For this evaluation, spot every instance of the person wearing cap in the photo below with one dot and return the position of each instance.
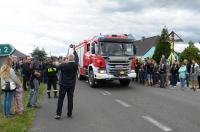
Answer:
(51, 73)
(67, 82)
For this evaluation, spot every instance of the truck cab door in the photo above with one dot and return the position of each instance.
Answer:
(87, 54)
(92, 51)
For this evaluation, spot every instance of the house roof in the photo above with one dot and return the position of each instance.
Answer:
(145, 45)
(19, 54)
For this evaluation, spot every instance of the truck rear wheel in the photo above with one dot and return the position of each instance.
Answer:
(91, 79)
(125, 82)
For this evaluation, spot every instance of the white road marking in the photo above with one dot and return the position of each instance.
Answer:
(123, 103)
(103, 93)
(108, 93)
(156, 123)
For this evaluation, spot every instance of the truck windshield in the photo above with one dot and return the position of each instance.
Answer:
(116, 49)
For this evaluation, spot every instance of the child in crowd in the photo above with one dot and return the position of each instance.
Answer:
(18, 101)
(182, 76)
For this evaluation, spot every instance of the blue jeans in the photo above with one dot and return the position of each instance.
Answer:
(182, 81)
(187, 80)
(33, 95)
(8, 102)
(174, 80)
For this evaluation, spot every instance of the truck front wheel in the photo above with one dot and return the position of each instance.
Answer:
(91, 79)
(79, 76)
(125, 82)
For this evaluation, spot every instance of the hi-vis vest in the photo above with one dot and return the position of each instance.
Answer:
(51, 69)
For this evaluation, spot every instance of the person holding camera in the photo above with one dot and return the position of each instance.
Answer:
(67, 83)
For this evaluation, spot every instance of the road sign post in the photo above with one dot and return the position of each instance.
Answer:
(6, 49)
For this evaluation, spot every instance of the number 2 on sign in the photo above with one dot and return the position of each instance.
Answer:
(5, 49)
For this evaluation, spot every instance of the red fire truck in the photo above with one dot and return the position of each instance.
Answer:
(107, 57)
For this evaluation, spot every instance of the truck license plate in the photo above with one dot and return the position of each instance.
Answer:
(122, 72)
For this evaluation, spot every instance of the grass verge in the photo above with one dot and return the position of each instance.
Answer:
(20, 123)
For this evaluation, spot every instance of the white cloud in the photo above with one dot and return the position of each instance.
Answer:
(50, 24)
(179, 47)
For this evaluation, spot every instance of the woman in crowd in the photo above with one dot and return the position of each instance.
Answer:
(182, 75)
(9, 83)
(150, 68)
(162, 72)
(174, 73)
(188, 66)
(18, 100)
(155, 73)
(137, 69)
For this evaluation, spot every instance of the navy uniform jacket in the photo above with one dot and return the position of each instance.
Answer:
(68, 72)
(26, 70)
(51, 71)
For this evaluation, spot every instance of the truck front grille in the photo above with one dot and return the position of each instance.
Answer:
(116, 68)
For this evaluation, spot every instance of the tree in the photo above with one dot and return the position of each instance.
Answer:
(191, 52)
(54, 58)
(162, 46)
(40, 53)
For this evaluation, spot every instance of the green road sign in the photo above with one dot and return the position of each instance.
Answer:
(6, 49)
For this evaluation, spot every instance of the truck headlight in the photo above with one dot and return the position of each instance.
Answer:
(102, 71)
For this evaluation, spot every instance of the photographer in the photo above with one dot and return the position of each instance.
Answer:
(67, 83)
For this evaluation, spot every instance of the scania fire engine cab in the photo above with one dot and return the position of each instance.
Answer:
(107, 57)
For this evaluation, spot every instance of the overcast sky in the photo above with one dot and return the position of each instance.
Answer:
(52, 24)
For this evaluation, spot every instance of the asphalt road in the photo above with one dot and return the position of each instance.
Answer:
(112, 108)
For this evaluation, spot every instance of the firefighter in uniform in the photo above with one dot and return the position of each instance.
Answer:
(51, 72)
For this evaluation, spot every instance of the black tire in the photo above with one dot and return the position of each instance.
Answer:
(125, 82)
(91, 79)
(79, 76)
